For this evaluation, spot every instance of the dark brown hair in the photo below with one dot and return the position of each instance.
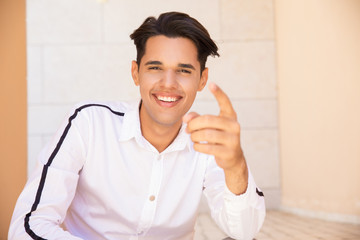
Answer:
(175, 24)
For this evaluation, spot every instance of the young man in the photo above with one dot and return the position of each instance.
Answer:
(137, 171)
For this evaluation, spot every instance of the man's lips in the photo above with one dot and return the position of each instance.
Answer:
(167, 100)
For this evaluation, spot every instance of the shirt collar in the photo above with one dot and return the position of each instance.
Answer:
(131, 130)
(131, 124)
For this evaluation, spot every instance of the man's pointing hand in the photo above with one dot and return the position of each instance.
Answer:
(220, 136)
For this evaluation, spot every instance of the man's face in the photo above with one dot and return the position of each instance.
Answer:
(169, 77)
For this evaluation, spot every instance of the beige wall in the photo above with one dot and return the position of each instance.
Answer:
(12, 107)
(81, 50)
(318, 59)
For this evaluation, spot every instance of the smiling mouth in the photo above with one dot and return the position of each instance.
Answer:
(169, 100)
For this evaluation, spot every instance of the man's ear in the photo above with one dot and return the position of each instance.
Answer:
(203, 79)
(135, 72)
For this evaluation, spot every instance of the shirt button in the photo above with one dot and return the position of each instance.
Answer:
(152, 198)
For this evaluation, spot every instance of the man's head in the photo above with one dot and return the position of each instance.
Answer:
(172, 25)
(170, 68)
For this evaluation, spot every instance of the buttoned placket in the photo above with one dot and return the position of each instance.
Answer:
(149, 209)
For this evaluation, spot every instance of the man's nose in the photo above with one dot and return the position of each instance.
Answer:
(169, 79)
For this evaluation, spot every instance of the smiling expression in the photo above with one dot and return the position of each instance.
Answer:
(169, 77)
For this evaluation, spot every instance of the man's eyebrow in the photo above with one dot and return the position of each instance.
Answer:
(184, 65)
(181, 65)
(153, 63)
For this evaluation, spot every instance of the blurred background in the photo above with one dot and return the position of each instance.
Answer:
(290, 67)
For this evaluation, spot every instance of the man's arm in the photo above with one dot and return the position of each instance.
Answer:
(220, 136)
(42, 205)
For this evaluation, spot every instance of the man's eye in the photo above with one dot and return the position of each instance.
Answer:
(154, 68)
(185, 71)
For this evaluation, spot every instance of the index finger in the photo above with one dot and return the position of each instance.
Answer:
(226, 108)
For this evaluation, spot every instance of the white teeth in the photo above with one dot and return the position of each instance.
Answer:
(167, 99)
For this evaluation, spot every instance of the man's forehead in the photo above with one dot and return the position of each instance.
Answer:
(161, 48)
(166, 39)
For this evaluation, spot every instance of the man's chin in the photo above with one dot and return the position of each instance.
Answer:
(170, 123)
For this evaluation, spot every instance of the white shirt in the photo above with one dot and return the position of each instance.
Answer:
(101, 179)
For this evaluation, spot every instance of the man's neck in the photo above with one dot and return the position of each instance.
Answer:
(159, 135)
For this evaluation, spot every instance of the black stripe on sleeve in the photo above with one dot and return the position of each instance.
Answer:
(50, 160)
(261, 194)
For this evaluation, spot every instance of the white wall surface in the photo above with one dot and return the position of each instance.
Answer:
(80, 50)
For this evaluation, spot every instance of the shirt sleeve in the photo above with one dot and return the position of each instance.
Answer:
(42, 205)
(239, 216)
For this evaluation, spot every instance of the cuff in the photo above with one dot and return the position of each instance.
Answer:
(239, 202)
